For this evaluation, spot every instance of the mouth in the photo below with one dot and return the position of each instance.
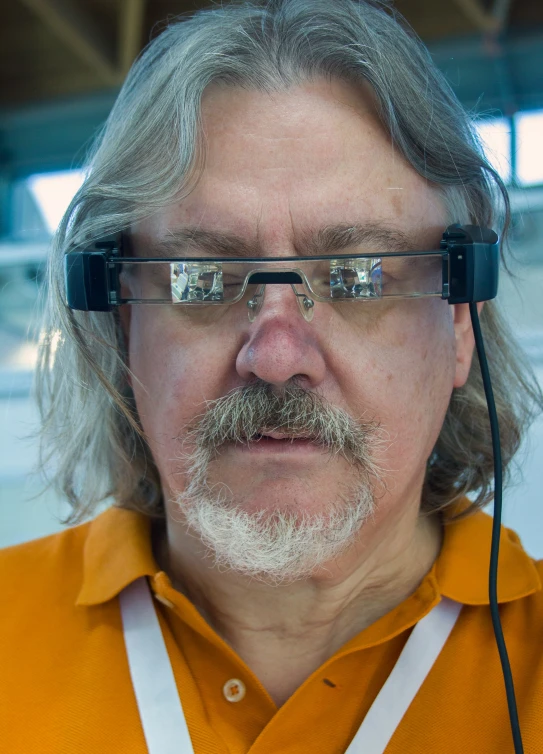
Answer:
(273, 441)
(275, 435)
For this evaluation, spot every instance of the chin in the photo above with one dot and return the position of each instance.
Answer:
(276, 533)
(293, 497)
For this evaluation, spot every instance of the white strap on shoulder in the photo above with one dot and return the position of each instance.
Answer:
(160, 709)
(415, 662)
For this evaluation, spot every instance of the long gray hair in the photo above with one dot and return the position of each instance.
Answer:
(150, 153)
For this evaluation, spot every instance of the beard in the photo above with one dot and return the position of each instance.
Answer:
(276, 546)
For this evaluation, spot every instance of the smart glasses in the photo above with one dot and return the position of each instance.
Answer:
(463, 269)
(216, 282)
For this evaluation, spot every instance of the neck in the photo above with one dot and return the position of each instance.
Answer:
(300, 625)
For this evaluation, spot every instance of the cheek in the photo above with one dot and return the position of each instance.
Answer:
(425, 373)
(407, 375)
(175, 370)
(426, 381)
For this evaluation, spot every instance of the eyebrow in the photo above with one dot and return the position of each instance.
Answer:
(326, 240)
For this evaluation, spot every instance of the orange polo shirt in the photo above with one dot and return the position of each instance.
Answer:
(65, 685)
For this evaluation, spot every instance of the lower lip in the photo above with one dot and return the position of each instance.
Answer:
(269, 445)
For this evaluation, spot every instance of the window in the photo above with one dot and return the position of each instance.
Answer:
(495, 135)
(53, 192)
(529, 132)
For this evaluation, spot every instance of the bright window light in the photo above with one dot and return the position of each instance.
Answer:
(53, 193)
(529, 128)
(495, 135)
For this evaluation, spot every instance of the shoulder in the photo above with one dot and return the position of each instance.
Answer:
(537, 597)
(44, 570)
(521, 573)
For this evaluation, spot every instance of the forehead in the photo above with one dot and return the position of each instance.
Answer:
(278, 167)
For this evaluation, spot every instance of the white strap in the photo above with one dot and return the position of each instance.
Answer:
(413, 665)
(162, 718)
(161, 713)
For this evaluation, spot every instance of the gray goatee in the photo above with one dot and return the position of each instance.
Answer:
(285, 545)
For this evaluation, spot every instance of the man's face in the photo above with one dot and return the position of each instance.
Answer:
(279, 167)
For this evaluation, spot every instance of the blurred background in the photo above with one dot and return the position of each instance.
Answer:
(61, 65)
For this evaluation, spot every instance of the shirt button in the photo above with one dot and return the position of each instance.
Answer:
(234, 690)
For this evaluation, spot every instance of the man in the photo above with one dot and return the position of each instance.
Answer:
(286, 473)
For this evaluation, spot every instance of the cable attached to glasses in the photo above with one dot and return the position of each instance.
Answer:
(495, 545)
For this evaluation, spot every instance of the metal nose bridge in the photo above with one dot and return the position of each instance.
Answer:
(305, 304)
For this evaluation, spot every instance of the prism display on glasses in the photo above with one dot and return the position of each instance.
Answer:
(463, 269)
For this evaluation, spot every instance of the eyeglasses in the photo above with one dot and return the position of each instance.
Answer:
(465, 268)
(329, 279)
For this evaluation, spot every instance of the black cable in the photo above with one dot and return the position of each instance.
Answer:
(494, 548)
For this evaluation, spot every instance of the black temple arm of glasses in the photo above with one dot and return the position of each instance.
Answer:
(474, 263)
(91, 284)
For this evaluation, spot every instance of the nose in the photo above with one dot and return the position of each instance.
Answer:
(280, 344)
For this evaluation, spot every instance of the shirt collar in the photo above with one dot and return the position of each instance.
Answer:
(462, 566)
(118, 550)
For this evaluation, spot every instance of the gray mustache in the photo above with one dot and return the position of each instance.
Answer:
(245, 413)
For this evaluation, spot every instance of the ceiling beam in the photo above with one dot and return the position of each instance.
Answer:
(130, 32)
(484, 21)
(74, 28)
(500, 12)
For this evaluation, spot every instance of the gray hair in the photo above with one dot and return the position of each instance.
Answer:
(151, 152)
